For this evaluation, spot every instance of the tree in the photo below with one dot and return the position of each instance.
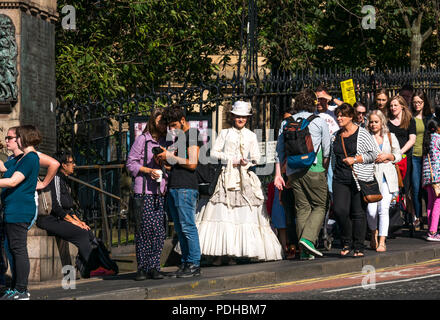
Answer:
(125, 45)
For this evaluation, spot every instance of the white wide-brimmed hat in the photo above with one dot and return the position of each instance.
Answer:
(241, 108)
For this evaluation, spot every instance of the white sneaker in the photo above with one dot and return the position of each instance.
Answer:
(433, 237)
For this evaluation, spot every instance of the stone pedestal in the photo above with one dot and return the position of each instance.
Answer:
(27, 67)
(48, 255)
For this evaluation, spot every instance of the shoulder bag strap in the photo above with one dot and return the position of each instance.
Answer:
(144, 182)
(345, 152)
(430, 168)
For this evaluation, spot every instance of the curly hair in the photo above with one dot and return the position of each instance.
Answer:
(173, 113)
(305, 101)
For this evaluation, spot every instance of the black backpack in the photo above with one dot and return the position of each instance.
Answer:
(207, 177)
(99, 257)
(298, 142)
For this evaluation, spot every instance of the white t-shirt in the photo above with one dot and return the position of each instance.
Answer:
(330, 118)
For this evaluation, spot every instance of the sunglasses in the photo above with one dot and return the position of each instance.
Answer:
(9, 138)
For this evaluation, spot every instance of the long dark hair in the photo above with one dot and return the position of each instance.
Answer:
(431, 127)
(151, 125)
(426, 112)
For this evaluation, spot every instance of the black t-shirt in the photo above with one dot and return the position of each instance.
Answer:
(402, 134)
(343, 173)
(180, 177)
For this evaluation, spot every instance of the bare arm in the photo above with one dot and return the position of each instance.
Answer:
(409, 144)
(52, 166)
(13, 181)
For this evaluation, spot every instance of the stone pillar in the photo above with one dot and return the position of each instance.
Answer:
(28, 96)
(27, 67)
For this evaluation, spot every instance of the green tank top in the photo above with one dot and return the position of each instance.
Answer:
(420, 130)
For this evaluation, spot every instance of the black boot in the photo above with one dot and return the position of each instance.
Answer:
(141, 275)
(154, 274)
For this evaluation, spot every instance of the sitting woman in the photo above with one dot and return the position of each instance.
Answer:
(62, 221)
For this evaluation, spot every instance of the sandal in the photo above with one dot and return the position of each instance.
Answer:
(290, 252)
(373, 242)
(345, 251)
(358, 254)
(381, 248)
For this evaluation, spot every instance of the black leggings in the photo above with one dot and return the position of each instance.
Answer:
(350, 213)
(17, 242)
(67, 231)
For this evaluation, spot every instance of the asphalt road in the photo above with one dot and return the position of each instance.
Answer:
(419, 281)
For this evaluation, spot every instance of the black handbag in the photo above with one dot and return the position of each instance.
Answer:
(396, 219)
(369, 189)
(137, 203)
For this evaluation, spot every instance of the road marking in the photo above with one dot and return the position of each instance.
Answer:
(382, 283)
(291, 283)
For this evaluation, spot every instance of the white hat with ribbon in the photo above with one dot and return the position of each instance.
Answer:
(242, 108)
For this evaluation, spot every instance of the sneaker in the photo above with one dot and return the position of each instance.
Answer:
(416, 224)
(190, 270)
(306, 256)
(179, 271)
(6, 295)
(433, 237)
(307, 245)
(17, 295)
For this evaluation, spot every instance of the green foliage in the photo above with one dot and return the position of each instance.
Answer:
(124, 45)
(120, 46)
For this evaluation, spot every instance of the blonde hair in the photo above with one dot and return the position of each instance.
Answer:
(383, 128)
(406, 114)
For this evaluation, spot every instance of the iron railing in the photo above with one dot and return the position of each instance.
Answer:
(98, 132)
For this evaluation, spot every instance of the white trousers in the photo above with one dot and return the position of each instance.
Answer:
(380, 210)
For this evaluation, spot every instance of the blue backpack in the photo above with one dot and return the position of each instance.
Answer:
(298, 143)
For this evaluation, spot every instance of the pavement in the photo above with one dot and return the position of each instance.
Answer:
(400, 251)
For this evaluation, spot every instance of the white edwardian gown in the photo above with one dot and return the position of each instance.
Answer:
(234, 221)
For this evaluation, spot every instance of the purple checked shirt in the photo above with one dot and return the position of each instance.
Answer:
(135, 162)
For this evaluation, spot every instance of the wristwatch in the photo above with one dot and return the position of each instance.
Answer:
(355, 160)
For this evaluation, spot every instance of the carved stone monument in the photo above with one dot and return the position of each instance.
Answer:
(27, 67)
(28, 96)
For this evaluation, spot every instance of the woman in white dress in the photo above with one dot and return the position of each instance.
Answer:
(234, 222)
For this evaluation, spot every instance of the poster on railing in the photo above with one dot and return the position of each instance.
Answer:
(267, 151)
(348, 93)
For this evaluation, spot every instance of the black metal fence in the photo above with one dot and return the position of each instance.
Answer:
(99, 132)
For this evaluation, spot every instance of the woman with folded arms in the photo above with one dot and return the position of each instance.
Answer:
(386, 175)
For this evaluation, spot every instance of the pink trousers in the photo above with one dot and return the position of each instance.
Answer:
(433, 209)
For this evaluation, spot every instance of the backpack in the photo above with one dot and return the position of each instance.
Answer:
(99, 257)
(207, 177)
(298, 142)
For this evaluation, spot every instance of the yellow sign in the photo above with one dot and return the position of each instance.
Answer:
(348, 93)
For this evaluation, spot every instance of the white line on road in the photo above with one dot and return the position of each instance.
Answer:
(381, 283)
